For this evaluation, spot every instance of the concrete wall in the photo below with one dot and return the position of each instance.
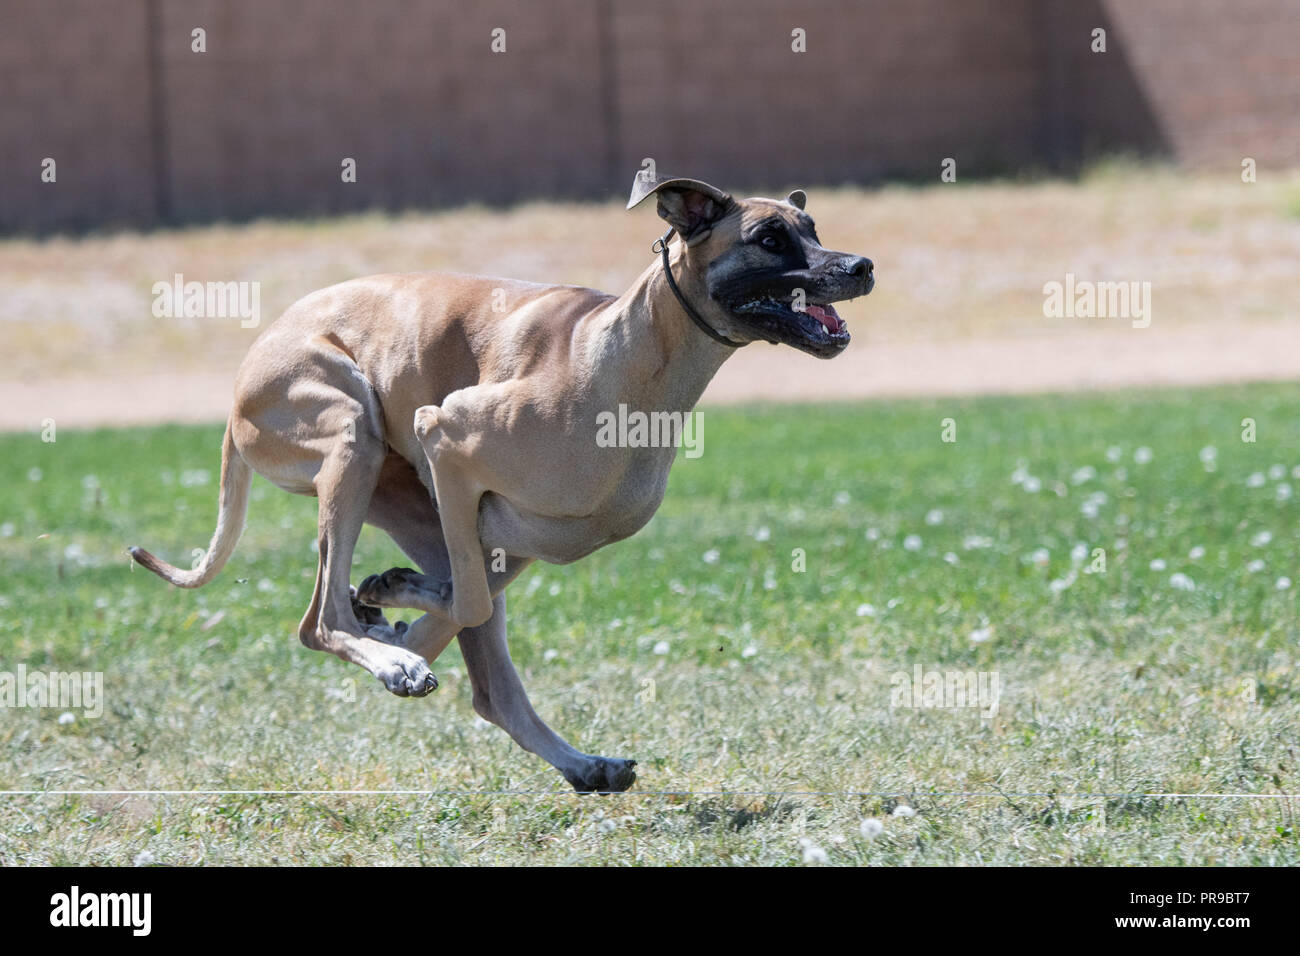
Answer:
(144, 130)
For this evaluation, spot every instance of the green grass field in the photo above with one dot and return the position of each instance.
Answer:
(756, 697)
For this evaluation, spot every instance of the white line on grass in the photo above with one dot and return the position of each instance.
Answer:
(635, 793)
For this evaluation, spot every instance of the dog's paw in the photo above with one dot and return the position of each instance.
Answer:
(405, 587)
(604, 775)
(394, 634)
(367, 615)
(407, 675)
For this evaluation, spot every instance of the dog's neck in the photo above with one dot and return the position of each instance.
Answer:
(664, 361)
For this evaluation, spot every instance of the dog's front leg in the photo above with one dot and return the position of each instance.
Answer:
(499, 696)
(458, 493)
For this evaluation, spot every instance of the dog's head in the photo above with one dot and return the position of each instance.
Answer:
(755, 269)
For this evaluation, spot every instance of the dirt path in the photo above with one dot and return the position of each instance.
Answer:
(958, 308)
(1059, 361)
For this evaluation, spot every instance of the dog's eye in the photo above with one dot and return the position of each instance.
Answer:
(770, 242)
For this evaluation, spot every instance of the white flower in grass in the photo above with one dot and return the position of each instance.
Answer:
(973, 542)
(1255, 566)
(662, 648)
(144, 858)
(1256, 480)
(1020, 474)
(873, 534)
(842, 498)
(904, 811)
(550, 654)
(1261, 539)
(1086, 473)
(1089, 509)
(67, 717)
(712, 556)
(933, 517)
(7, 529)
(554, 589)
(763, 533)
(912, 542)
(950, 558)
(980, 635)
(607, 826)
(1158, 564)
(812, 853)
(1041, 557)
(1295, 472)
(1208, 454)
(866, 610)
(1114, 453)
(1079, 553)
(35, 474)
(749, 651)
(1283, 491)
(1283, 583)
(1060, 584)
(870, 828)
(1032, 485)
(1181, 582)
(1143, 455)
(1196, 553)
(1277, 472)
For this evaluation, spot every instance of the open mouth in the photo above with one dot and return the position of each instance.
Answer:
(828, 317)
(817, 328)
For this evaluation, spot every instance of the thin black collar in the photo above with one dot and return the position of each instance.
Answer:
(661, 246)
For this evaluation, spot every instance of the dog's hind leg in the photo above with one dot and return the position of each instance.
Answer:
(344, 483)
(499, 696)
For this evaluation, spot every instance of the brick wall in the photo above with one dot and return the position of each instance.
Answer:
(1222, 78)
(144, 130)
(74, 87)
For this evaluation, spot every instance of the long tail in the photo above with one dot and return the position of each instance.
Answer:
(236, 477)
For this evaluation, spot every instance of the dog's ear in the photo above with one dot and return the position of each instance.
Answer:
(688, 205)
(797, 198)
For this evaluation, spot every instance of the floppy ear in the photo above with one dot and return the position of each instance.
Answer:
(797, 198)
(688, 205)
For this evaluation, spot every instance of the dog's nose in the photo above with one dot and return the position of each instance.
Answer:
(860, 267)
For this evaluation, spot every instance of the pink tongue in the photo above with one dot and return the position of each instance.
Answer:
(827, 316)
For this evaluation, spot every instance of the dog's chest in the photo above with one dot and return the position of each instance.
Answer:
(639, 493)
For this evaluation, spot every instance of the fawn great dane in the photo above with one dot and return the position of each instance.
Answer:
(459, 414)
